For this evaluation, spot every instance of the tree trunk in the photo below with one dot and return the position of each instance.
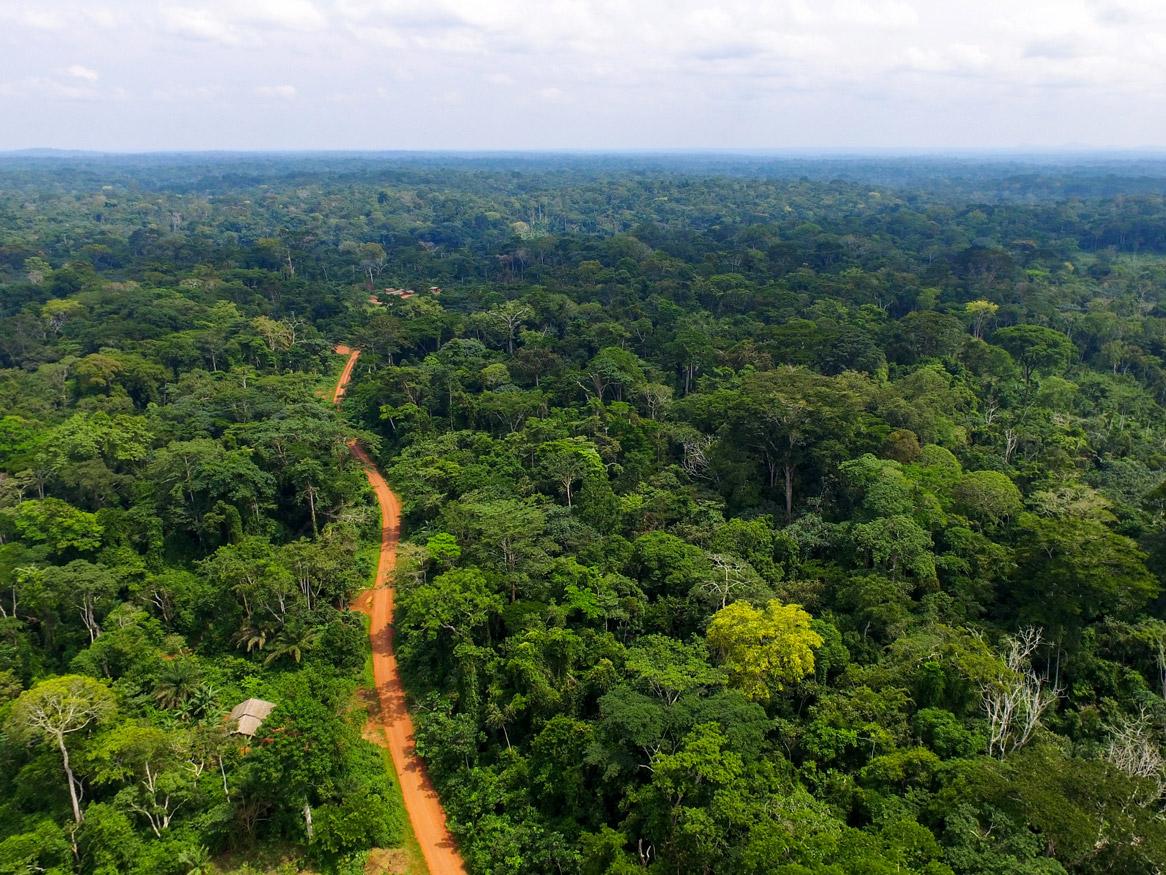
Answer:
(312, 506)
(73, 797)
(308, 821)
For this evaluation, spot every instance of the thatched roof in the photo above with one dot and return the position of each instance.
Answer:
(249, 716)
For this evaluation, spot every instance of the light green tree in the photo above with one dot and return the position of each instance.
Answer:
(671, 668)
(988, 497)
(763, 651)
(981, 313)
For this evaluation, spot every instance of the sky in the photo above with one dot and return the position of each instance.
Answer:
(851, 75)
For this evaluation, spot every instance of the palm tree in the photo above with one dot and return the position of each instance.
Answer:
(293, 641)
(195, 860)
(203, 701)
(252, 638)
(176, 684)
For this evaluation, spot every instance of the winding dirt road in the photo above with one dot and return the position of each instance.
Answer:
(421, 802)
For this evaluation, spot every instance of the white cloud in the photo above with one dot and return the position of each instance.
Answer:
(35, 19)
(957, 58)
(282, 92)
(634, 72)
(200, 24)
(246, 22)
(879, 14)
(56, 16)
(40, 88)
(77, 71)
(298, 15)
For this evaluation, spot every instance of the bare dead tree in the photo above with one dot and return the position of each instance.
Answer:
(1135, 748)
(1015, 702)
(731, 575)
(1011, 442)
(695, 460)
(656, 396)
(1160, 661)
(158, 806)
(510, 316)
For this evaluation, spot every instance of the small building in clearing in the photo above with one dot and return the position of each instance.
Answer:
(248, 716)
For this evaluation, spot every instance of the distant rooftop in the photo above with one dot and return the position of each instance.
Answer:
(249, 716)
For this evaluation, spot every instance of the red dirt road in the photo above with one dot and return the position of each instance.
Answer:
(346, 374)
(421, 802)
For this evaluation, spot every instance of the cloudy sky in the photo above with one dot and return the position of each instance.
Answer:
(582, 74)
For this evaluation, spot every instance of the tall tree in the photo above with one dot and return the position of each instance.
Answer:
(56, 709)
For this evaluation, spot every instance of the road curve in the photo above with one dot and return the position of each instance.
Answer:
(421, 802)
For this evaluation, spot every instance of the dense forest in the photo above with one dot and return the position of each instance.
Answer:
(762, 515)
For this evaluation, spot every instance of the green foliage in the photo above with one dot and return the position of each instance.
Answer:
(357, 823)
(987, 496)
(1036, 348)
(1071, 572)
(62, 529)
(657, 404)
(668, 668)
(942, 732)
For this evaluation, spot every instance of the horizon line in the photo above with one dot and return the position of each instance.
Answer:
(667, 151)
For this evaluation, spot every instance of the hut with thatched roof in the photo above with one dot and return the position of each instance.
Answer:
(248, 716)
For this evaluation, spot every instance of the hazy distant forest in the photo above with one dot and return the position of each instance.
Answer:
(762, 515)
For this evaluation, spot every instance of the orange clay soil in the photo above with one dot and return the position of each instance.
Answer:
(421, 802)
